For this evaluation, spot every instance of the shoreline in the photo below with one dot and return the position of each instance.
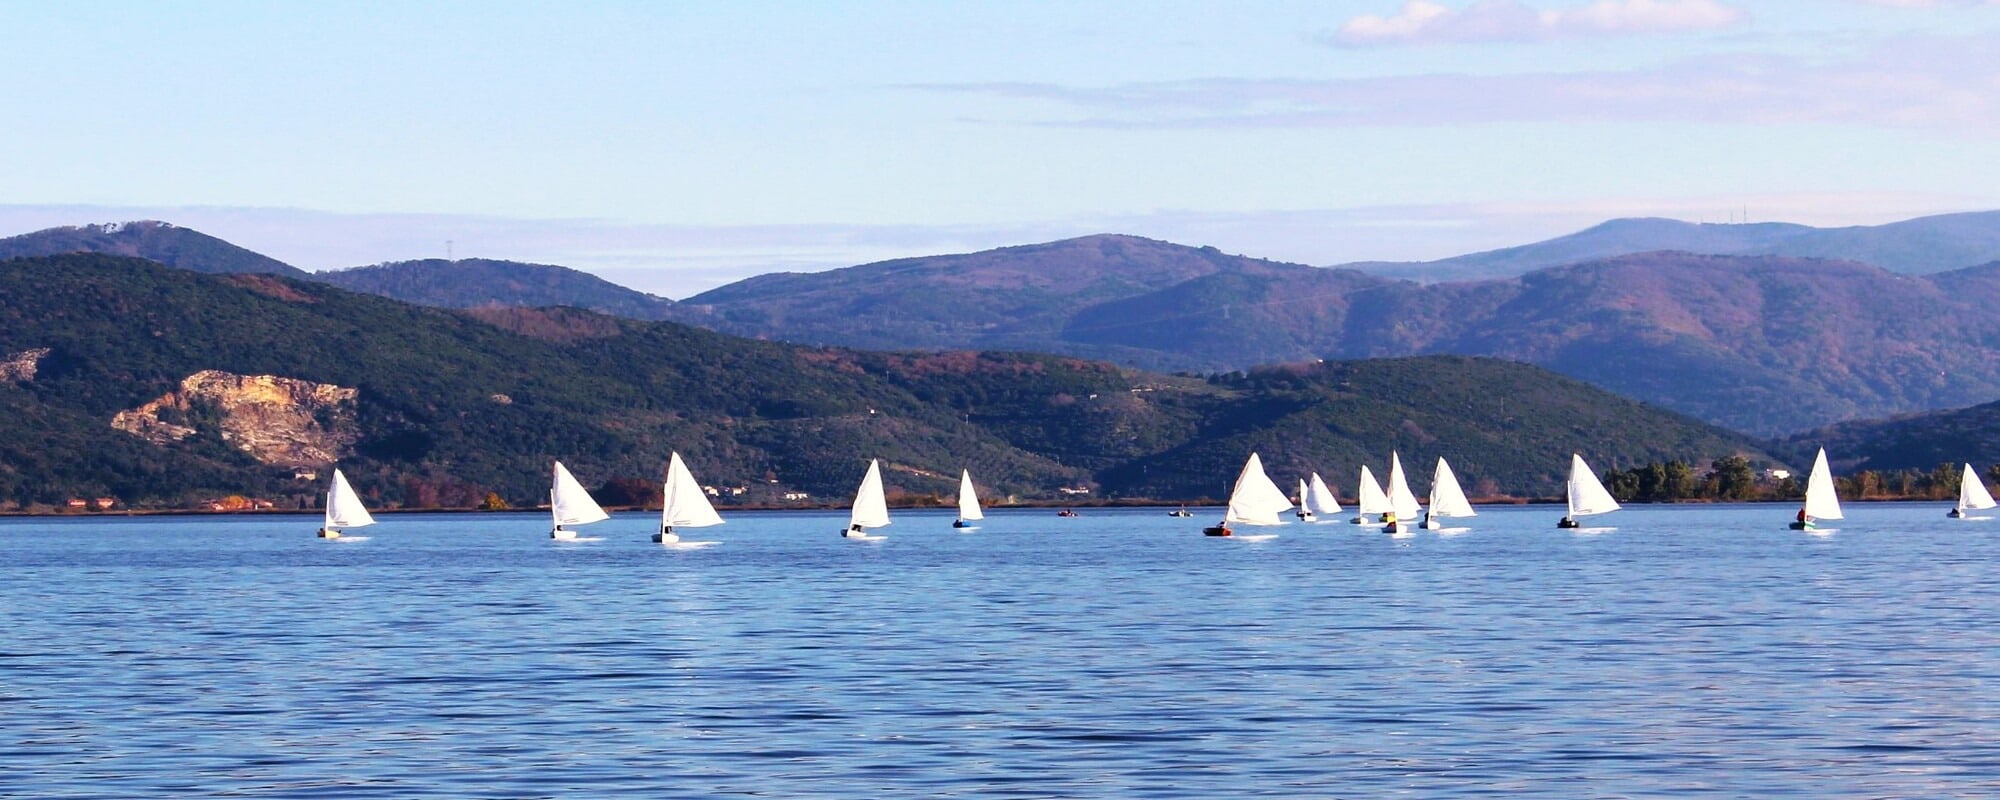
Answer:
(1100, 504)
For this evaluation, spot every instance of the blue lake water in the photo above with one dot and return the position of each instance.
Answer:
(1690, 651)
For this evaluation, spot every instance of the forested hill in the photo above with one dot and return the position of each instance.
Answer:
(480, 282)
(171, 245)
(253, 384)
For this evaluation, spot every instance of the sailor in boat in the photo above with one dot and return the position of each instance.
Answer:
(1805, 520)
(1065, 513)
(666, 535)
(1568, 522)
(1220, 529)
(1955, 513)
(853, 532)
(1389, 522)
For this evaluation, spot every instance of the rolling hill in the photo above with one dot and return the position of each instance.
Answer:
(479, 282)
(151, 240)
(1917, 246)
(1768, 344)
(163, 387)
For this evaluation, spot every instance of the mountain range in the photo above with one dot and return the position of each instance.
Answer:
(1919, 246)
(1770, 344)
(161, 386)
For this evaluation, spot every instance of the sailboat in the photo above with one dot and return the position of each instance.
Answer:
(1403, 507)
(343, 509)
(1305, 512)
(1254, 501)
(1821, 500)
(1447, 499)
(871, 508)
(1372, 500)
(1972, 494)
(1586, 494)
(968, 502)
(1322, 499)
(571, 505)
(686, 504)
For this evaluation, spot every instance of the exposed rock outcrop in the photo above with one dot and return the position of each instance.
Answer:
(20, 367)
(278, 421)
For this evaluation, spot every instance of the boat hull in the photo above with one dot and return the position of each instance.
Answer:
(1802, 526)
(559, 533)
(328, 533)
(1218, 530)
(1566, 522)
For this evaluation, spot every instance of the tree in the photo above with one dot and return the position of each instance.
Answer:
(1734, 480)
(494, 502)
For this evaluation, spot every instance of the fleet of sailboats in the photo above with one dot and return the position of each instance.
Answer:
(1972, 494)
(571, 505)
(1255, 500)
(871, 506)
(968, 502)
(1586, 494)
(1821, 500)
(343, 509)
(685, 504)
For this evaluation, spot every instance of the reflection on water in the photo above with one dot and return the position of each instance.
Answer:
(1684, 651)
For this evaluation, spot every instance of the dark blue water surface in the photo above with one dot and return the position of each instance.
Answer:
(1691, 651)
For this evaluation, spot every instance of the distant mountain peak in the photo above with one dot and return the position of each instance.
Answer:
(153, 240)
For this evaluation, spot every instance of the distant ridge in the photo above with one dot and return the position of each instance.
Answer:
(480, 283)
(152, 240)
(1918, 246)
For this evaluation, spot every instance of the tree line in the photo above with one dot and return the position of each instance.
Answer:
(1734, 478)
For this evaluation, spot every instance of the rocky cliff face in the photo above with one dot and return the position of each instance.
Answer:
(278, 421)
(20, 367)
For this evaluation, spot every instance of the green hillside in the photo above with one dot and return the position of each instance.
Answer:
(480, 282)
(154, 241)
(448, 406)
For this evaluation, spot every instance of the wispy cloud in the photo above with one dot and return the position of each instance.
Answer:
(1423, 22)
(1932, 3)
(1948, 84)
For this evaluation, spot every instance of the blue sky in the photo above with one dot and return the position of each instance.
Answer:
(676, 146)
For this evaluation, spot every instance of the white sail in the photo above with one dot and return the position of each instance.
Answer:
(1447, 499)
(570, 504)
(686, 504)
(968, 500)
(1372, 500)
(1256, 500)
(1971, 491)
(1401, 499)
(343, 506)
(1821, 500)
(871, 507)
(1320, 498)
(1586, 494)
